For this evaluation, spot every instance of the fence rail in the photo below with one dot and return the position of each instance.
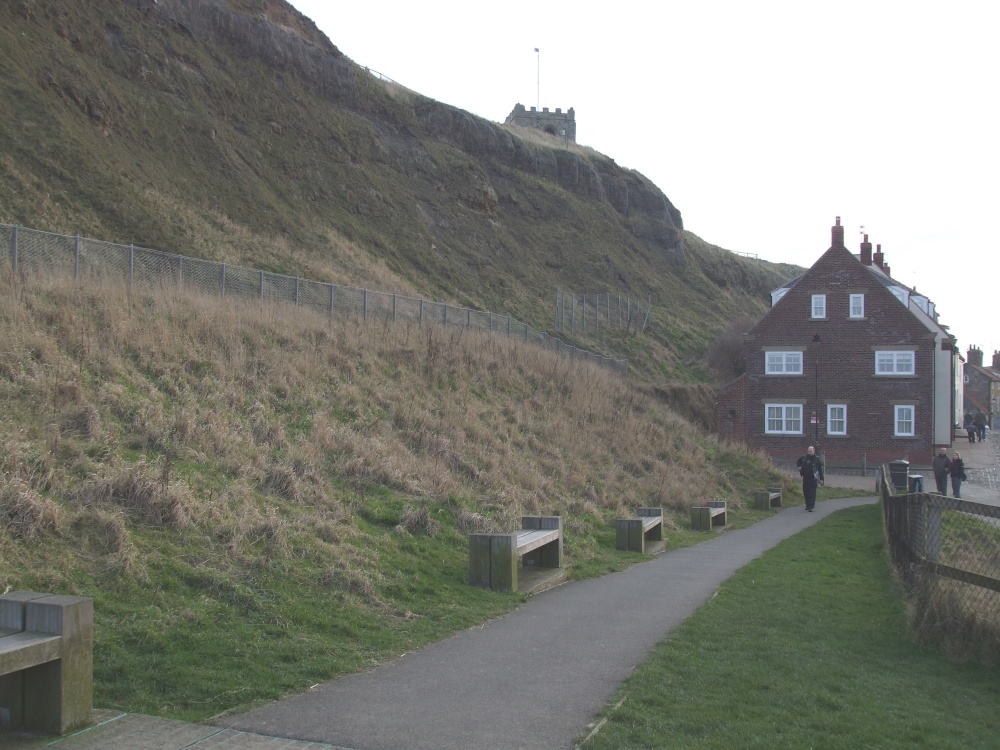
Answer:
(34, 252)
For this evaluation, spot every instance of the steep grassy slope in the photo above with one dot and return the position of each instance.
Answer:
(236, 131)
(259, 499)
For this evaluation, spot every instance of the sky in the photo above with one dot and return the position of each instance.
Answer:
(761, 122)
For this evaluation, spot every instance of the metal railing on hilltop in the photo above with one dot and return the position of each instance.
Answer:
(34, 252)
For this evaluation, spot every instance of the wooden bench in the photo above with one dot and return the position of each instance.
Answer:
(767, 499)
(706, 517)
(46, 661)
(632, 534)
(493, 558)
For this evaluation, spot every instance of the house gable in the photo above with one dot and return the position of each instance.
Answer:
(859, 372)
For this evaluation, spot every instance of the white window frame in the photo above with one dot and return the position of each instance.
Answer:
(889, 363)
(899, 416)
(789, 414)
(831, 420)
(818, 306)
(857, 306)
(790, 363)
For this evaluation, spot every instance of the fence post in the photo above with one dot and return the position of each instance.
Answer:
(131, 263)
(468, 318)
(365, 303)
(446, 315)
(260, 285)
(393, 307)
(525, 331)
(76, 258)
(607, 306)
(597, 318)
(331, 300)
(421, 311)
(555, 318)
(491, 321)
(572, 314)
(296, 290)
(222, 280)
(180, 271)
(932, 546)
(508, 326)
(13, 249)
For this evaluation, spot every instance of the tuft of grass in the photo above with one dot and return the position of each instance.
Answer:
(807, 646)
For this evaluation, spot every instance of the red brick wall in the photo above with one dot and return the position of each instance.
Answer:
(845, 361)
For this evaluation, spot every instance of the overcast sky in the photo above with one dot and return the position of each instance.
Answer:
(761, 121)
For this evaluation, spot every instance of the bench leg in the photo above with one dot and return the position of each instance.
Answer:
(629, 535)
(701, 519)
(58, 696)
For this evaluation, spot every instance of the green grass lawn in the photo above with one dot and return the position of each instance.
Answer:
(806, 647)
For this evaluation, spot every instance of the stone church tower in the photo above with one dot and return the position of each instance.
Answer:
(559, 124)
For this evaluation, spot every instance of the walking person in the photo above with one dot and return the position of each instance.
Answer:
(942, 464)
(970, 427)
(957, 471)
(811, 470)
(980, 422)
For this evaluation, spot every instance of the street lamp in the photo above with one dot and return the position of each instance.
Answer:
(817, 341)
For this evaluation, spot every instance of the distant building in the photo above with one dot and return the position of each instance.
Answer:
(982, 386)
(850, 360)
(559, 124)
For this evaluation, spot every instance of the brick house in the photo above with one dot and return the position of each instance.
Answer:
(982, 385)
(849, 360)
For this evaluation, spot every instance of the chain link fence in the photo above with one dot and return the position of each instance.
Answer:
(946, 552)
(33, 252)
(590, 313)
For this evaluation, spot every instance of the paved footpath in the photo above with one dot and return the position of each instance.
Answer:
(536, 677)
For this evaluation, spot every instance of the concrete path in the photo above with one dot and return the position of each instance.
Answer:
(534, 678)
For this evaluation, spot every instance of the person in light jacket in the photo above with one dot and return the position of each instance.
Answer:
(957, 471)
(942, 465)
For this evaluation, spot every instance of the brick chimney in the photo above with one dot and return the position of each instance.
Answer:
(976, 356)
(866, 252)
(996, 360)
(878, 258)
(838, 234)
(888, 271)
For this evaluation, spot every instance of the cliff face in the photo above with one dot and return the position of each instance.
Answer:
(237, 131)
(284, 40)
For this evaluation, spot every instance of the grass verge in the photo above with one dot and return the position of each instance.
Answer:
(805, 647)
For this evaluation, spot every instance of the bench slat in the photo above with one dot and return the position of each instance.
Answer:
(532, 539)
(23, 650)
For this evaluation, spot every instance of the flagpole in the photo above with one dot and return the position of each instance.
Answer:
(538, 82)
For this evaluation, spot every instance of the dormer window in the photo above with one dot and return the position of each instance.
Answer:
(857, 305)
(819, 306)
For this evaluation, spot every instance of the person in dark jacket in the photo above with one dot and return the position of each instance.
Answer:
(957, 471)
(980, 422)
(942, 464)
(811, 470)
(970, 427)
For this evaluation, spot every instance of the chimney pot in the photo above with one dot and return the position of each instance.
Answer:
(879, 258)
(996, 360)
(837, 233)
(866, 252)
(976, 356)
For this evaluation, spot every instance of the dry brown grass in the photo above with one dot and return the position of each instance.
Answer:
(109, 389)
(960, 619)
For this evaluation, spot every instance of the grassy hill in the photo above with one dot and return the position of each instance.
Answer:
(257, 498)
(237, 132)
